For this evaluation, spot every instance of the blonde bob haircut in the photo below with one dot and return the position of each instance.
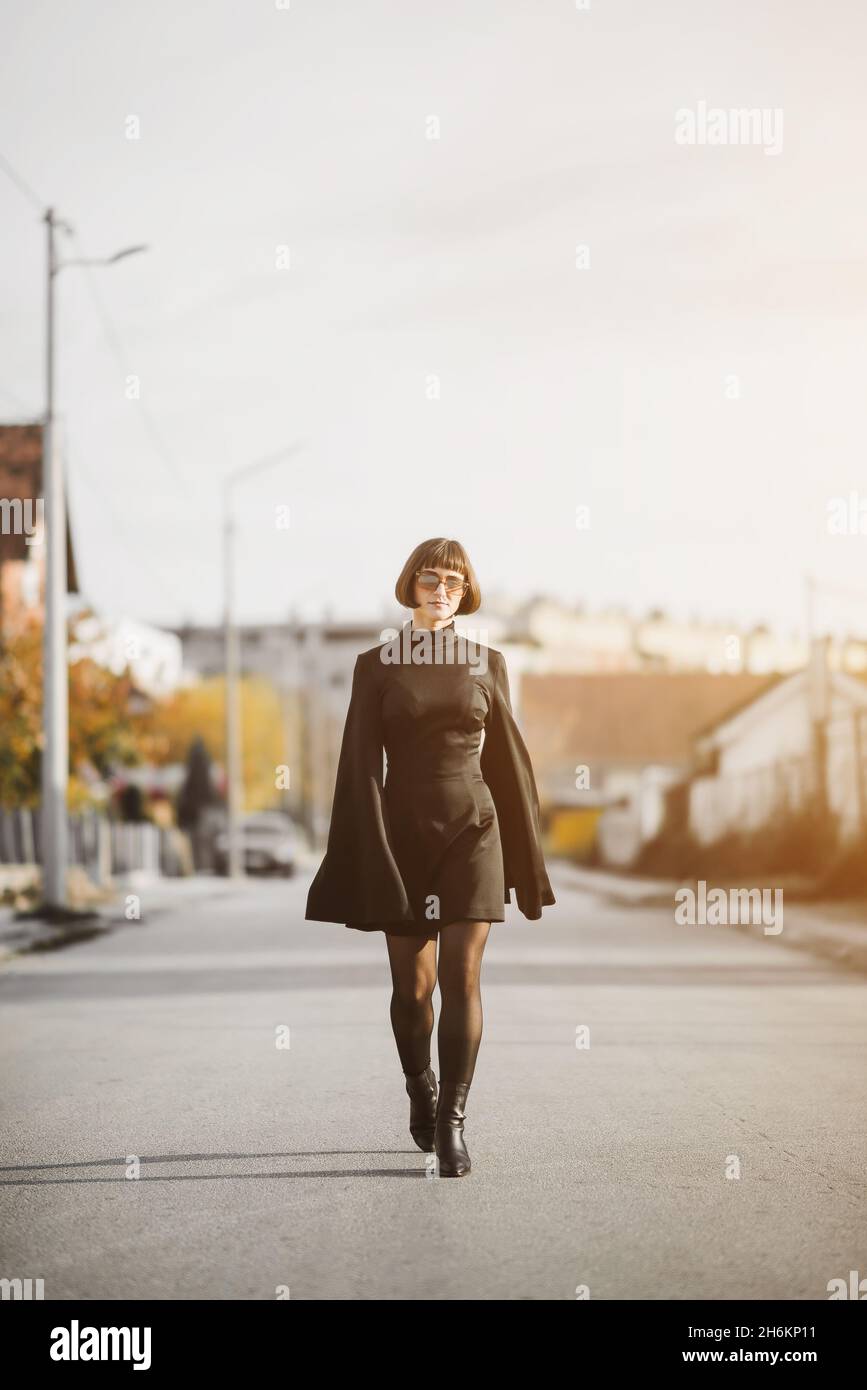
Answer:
(439, 554)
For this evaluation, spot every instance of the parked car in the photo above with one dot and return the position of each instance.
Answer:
(268, 842)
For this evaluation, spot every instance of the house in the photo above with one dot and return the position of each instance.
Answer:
(153, 655)
(620, 740)
(762, 759)
(22, 547)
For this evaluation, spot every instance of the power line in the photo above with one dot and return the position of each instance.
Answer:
(21, 184)
(113, 339)
(23, 187)
(109, 329)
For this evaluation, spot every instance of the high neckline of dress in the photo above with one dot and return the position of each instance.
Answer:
(434, 631)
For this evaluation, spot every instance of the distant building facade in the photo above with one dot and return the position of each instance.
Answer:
(760, 762)
(621, 741)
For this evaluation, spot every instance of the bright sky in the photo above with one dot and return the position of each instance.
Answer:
(698, 386)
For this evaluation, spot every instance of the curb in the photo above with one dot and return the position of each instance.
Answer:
(20, 936)
(844, 944)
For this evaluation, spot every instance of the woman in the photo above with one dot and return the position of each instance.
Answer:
(433, 849)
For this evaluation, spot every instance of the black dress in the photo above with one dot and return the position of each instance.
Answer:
(450, 830)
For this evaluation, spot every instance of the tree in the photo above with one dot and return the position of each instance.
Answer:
(198, 711)
(104, 731)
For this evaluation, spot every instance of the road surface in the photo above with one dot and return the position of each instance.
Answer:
(265, 1170)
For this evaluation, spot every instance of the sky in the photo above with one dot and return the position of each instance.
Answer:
(456, 254)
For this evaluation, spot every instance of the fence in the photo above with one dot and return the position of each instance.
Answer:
(102, 847)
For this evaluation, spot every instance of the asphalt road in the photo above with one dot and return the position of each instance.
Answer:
(266, 1167)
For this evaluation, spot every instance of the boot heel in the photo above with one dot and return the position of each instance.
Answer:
(422, 1092)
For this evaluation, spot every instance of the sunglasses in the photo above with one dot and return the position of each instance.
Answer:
(429, 580)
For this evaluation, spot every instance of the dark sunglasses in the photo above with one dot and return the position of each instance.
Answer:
(429, 580)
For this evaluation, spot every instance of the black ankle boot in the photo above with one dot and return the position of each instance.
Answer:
(422, 1092)
(453, 1161)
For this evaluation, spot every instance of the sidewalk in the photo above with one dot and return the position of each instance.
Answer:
(834, 930)
(626, 890)
(156, 895)
(817, 927)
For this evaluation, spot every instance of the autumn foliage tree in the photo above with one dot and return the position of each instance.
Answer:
(198, 712)
(104, 729)
(108, 728)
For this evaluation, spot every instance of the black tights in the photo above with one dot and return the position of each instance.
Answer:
(414, 972)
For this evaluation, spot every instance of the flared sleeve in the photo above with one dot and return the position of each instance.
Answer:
(506, 767)
(358, 881)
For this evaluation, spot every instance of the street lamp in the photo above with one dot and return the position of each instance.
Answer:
(236, 866)
(55, 683)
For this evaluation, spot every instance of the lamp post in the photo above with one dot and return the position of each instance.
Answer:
(234, 789)
(55, 680)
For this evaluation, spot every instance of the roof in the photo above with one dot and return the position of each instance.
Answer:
(633, 717)
(21, 478)
(847, 686)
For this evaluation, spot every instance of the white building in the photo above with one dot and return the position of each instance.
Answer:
(760, 760)
(153, 655)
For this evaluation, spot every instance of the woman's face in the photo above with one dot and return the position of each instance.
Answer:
(438, 604)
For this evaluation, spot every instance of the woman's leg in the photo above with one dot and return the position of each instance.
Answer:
(413, 961)
(459, 1034)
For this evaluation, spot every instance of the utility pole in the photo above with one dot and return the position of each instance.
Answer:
(817, 699)
(55, 675)
(819, 693)
(236, 865)
(55, 711)
(234, 780)
(858, 749)
(809, 591)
